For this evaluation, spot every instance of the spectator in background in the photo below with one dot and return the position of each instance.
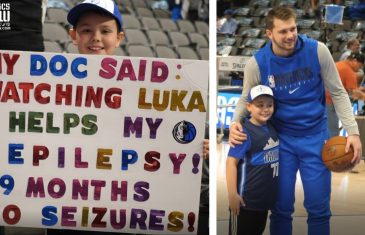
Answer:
(230, 25)
(203, 10)
(23, 31)
(347, 70)
(353, 46)
(175, 8)
(178, 8)
(161, 4)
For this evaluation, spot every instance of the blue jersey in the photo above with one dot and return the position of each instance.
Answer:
(258, 167)
(297, 86)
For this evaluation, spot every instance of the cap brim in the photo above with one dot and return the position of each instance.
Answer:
(250, 100)
(78, 10)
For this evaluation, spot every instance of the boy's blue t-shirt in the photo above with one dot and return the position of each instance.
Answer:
(257, 169)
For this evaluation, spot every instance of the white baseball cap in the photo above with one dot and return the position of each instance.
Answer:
(259, 90)
(107, 6)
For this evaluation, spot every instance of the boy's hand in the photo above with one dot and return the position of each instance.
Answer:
(236, 136)
(235, 202)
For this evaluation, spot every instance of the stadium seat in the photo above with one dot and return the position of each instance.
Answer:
(224, 50)
(124, 3)
(168, 25)
(345, 36)
(249, 51)
(158, 37)
(135, 36)
(139, 3)
(204, 53)
(119, 51)
(315, 34)
(305, 23)
(161, 13)
(202, 27)
(187, 53)
(244, 21)
(179, 39)
(71, 48)
(144, 12)
(52, 46)
(198, 39)
(140, 51)
(261, 11)
(346, 25)
(259, 3)
(57, 15)
(186, 26)
(150, 23)
(165, 52)
(286, 3)
(131, 22)
(226, 41)
(244, 11)
(254, 42)
(54, 32)
(359, 25)
(250, 32)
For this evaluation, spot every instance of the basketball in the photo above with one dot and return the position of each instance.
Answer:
(334, 156)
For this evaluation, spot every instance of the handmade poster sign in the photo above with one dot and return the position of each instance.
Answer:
(101, 143)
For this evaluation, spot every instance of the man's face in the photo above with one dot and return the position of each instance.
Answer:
(355, 47)
(283, 36)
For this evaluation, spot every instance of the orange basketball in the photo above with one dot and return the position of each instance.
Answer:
(334, 156)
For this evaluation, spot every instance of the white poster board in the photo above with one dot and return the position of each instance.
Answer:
(101, 143)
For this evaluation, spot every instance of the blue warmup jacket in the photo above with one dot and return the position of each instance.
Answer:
(297, 86)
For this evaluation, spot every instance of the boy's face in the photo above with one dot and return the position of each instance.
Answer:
(96, 34)
(261, 109)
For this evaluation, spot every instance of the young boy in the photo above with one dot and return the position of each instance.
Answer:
(252, 167)
(97, 27)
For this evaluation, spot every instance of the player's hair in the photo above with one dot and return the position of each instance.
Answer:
(282, 13)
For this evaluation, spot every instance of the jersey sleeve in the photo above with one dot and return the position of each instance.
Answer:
(338, 93)
(239, 151)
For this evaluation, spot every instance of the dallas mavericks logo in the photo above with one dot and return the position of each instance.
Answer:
(271, 81)
(184, 132)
